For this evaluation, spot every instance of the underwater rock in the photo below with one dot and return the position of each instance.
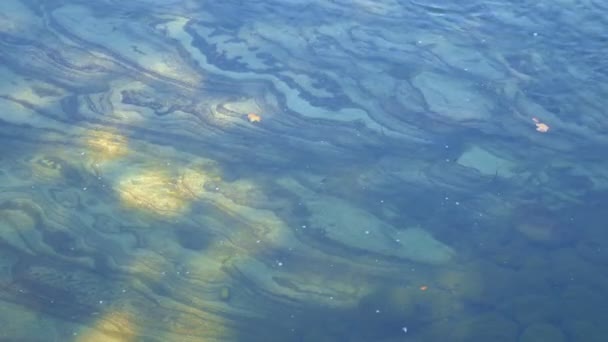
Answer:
(584, 330)
(355, 228)
(347, 225)
(543, 232)
(225, 293)
(466, 284)
(396, 302)
(482, 327)
(451, 98)
(24, 324)
(193, 238)
(543, 226)
(542, 332)
(537, 231)
(593, 251)
(545, 308)
(486, 163)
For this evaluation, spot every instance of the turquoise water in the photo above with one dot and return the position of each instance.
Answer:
(303, 170)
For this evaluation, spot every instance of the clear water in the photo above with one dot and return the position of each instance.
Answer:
(303, 170)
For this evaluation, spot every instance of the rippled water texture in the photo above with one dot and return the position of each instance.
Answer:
(303, 170)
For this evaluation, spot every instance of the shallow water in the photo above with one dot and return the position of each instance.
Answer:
(413, 171)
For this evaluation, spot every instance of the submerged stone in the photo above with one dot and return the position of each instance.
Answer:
(485, 162)
(225, 293)
(359, 229)
(542, 332)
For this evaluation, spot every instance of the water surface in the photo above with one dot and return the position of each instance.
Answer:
(303, 170)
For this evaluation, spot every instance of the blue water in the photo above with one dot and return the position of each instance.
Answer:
(303, 170)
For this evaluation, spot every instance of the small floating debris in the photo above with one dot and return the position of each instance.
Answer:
(540, 126)
(253, 117)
